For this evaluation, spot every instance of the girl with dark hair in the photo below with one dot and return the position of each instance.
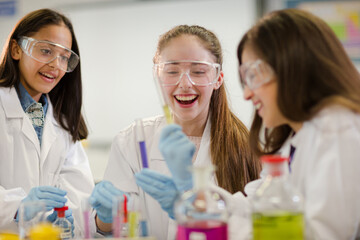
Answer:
(189, 59)
(306, 92)
(41, 124)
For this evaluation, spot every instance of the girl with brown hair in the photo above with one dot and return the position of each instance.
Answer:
(41, 124)
(189, 61)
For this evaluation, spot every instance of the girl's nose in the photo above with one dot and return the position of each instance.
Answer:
(55, 63)
(248, 93)
(185, 81)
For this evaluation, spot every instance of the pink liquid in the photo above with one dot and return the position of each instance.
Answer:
(207, 230)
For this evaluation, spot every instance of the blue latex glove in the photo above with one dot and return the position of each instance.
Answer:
(101, 200)
(162, 188)
(68, 214)
(178, 151)
(52, 197)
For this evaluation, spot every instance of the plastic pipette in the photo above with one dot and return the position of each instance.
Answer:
(140, 138)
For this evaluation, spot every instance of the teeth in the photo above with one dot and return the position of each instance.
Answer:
(185, 98)
(47, 75)
(257, 106)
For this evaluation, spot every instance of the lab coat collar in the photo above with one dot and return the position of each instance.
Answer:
(12, 108)
(203, 156)
(49, 133)
(11, 103)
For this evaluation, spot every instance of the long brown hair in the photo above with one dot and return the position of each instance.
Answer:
(66, 96)
(311, 66)
(230, 151)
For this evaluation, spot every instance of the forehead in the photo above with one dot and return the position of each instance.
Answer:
(59, 34)
(186, 47)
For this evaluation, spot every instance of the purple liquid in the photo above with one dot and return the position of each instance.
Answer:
(208, 229)
(143, 154)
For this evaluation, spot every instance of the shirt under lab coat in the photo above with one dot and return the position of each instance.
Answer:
(326, 170)
(125, 161)
(24, 165)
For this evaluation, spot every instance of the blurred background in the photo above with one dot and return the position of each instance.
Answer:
(118, 39)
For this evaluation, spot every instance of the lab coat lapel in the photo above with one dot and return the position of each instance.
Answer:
(13, 110)
(49, 133)
(203, 157)
(154, 152)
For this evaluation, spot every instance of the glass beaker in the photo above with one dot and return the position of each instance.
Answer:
(277, 207)
(201, 213)
(31, 214)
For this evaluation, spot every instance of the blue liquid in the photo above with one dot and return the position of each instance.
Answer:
(143, 229)
(143, 154)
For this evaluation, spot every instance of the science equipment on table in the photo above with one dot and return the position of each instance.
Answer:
(31, 214)
(277, 207)
(202, 212)
(140, 138)
(63, 223)
(120, 218)
(87, 209)
(44, 231)
(162, 96)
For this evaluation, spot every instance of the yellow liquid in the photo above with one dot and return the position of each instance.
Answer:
(167, 113)
(278, 226)
(133, 224)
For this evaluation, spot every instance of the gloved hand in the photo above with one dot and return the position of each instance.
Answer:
(160, 187)
(68, 214)
(178, 151)
(52, 197)
(101, 200)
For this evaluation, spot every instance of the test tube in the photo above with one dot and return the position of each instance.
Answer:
(133, 216)
(140, 138)
(163, 97)
(86, 206)
(125, 227)
(117, 214)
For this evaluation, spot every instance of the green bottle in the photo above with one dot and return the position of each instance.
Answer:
(277, 207)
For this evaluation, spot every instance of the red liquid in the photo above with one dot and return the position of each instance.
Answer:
(204, 230)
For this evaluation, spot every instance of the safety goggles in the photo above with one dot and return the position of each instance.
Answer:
(199, 73)
(46, 52)
(255, 74)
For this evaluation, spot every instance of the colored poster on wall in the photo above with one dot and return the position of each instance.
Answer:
(343, 17)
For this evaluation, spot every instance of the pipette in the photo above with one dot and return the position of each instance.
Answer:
(163, 98)
(140, 138)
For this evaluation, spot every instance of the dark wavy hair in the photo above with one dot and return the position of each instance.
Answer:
(66, 96)
(236, 165)
(311, 66)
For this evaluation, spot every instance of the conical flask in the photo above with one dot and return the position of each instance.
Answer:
(277, 207)
(201, 213)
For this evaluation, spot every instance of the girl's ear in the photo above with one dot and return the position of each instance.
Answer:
(15, 50)
(220, 81)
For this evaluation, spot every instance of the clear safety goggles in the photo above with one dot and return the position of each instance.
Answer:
(255, 74)
(46, 52)
(199, 73)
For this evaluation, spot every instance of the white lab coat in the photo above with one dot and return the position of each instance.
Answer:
(125, 161)
(326, 170)
(24, 165)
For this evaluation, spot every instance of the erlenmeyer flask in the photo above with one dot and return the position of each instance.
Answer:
(201, 213)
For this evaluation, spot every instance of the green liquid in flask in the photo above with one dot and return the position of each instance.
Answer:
(278, 226)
